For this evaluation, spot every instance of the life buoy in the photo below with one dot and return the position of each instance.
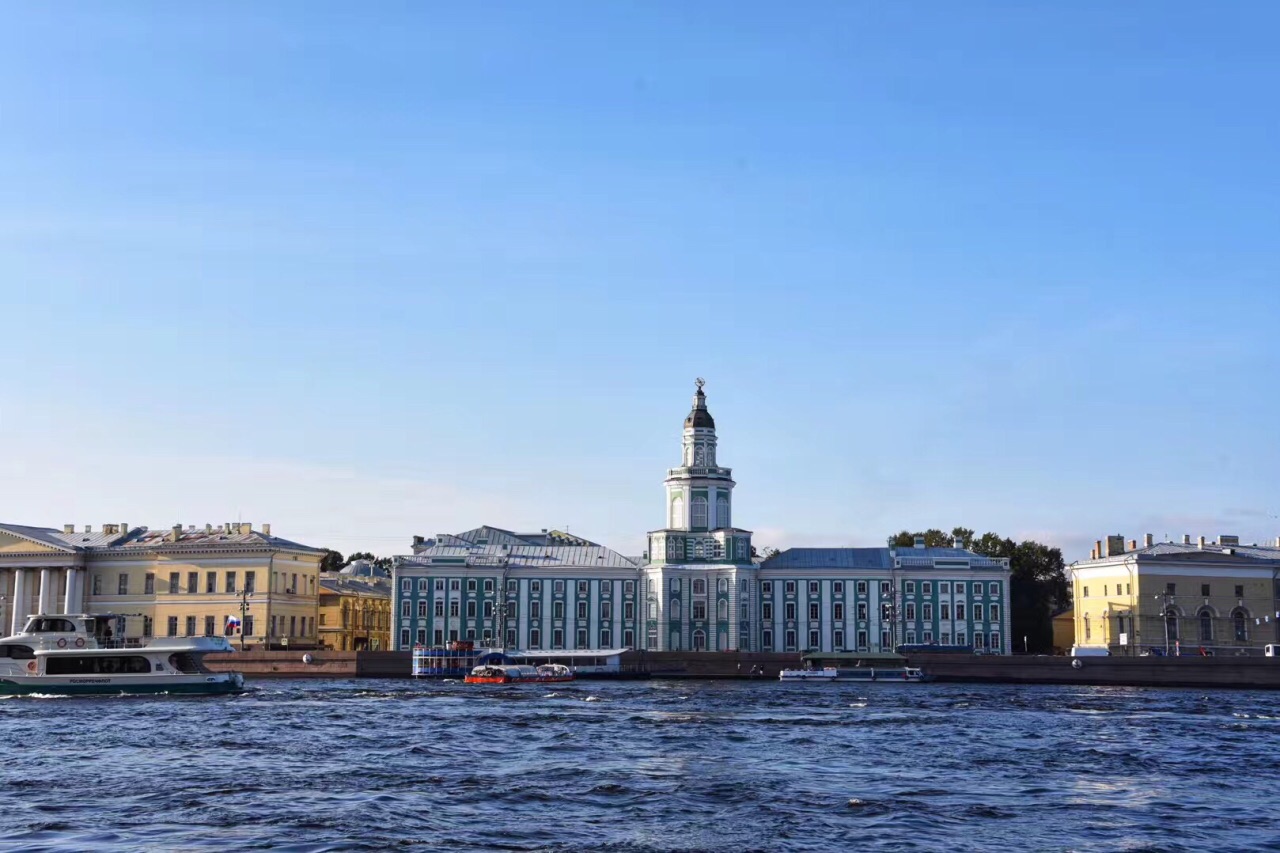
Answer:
(62, 642)
(31, 666)
(79, 642)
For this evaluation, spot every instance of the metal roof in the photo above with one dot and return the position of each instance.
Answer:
(1210, 553)
(538, 556)
(142, 538)
(874, 558)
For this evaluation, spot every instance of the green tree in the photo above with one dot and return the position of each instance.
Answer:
(331, 561)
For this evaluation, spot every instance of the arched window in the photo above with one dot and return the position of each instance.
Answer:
(1171, 623)
(1206, 625)
(699, 641)
(677, 511)
(722, 511)
(1240, 625)
(722, 585)
(698, 516)
(722, 610)
(674, 612)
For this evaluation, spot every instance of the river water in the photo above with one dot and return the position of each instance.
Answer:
(635, 766)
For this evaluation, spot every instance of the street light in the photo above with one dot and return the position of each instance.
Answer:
(245, 595)
(1165, 598)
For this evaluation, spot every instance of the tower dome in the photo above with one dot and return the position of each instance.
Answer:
(699, 417)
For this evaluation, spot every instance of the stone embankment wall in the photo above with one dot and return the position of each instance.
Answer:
(1253, 672)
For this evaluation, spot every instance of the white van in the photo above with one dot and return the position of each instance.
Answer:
(1271, 650)
(1090, 651)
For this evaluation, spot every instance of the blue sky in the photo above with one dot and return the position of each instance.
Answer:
(366, 273)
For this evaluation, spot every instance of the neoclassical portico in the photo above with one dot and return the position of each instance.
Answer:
(38, 575)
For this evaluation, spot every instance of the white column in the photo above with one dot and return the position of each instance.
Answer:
(69, 593)
(20, 594)
(48, 595)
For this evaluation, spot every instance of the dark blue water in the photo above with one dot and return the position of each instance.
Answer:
(631, 766)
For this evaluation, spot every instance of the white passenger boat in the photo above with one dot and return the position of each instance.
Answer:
(908, 674)
(77, 655)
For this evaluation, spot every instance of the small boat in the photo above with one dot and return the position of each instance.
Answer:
(909, 674)
(518, 674)
(67, 654)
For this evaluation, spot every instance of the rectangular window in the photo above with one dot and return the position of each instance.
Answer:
(247, 629)
(558, 589)
(628, 587)
(766, 640)
(193, 582)
(960, 638)
(886, 642)
(191, 626)
(945, 638)
(911, 610)
(959, 588)
(557, 610)
(422, 636)
(535, 609)
(471, 609)
(535, 587)
(909, 588)
(488, 585)
(231, 582)
(1204, 590)
(944, 588)
(422, 609)
(1171, 588)
(790, 589)
(837, 611)
(175, 579)
(606, 639)
(926, 587)
(813, 639)
(582, 610)
(995, 643)
(978, 639)
(886, 612)
(927, 637)
(511, 638)
(837, 587)
(210, 626)
(455, 585)
(124, 584)
(535, 638)
(580, 638)
(149, 584)
(813, 612)
(1104, 590)
(471, 584)
(813, 587)
(422, 586)
(837, 639)
(862, 640)
(862, 610)
(885, 588)
(210, 582)
(437, 637)
(439, 584)
(994, 611)
(606, 611)
(405, 608)
(960, 610)
(911, 638)
(582, 587)
(439, 607)
(250, 582)
(699, 609)
(293, 626)
(557, 638)
(927, 611)
(406, 586)
(404, 638)
(173, 626)
(766, 611)
(628, 610)
(862, 587)
(513, 586)
(977, 612)
(1239, 591)
(791, 641)
(791, 610)
(742, 585)
(488, 610)
(994, 589)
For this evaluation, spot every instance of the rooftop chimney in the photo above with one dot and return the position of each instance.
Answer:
(68, 528)
(266, 530)
(124, 528)
(208, 528)
(957, 542)
(1201, 542)
(1115, 545)
(1133, 544)
(1097, 548)
(1148, 540)
(246, 527)
(919, 542)
(1093, 553)
(88, 528)
(1186, 539)
(176, 534)
(1228, 540)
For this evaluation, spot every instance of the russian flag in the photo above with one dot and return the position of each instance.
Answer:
(233, 626)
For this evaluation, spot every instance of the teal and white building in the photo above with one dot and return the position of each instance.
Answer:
(698, 587)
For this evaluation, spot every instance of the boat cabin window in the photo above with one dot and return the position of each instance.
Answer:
(47, 626)
(17, 652)
(96, 665)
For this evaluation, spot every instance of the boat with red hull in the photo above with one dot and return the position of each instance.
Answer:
(519, 674)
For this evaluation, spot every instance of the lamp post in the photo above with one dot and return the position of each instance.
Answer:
(1165, 600)
(245, 595)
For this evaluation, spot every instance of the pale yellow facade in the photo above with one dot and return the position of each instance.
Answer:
(1183, 598)
(355, 615)
(172, 582)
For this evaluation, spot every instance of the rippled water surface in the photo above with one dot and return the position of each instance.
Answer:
(630, 766)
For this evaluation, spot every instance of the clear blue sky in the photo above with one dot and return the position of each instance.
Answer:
(373, 271)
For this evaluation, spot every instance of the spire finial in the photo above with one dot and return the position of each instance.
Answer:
(699, 382)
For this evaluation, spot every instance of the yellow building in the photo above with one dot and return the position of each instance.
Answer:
(1186, 597)
(1064, 631)
(175, 582)
(355, 612)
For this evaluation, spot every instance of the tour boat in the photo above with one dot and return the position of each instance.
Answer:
(909, 674)
(76, 655)
(519, 674)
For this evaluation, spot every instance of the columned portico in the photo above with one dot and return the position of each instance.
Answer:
(48, 590)
(21, 592)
